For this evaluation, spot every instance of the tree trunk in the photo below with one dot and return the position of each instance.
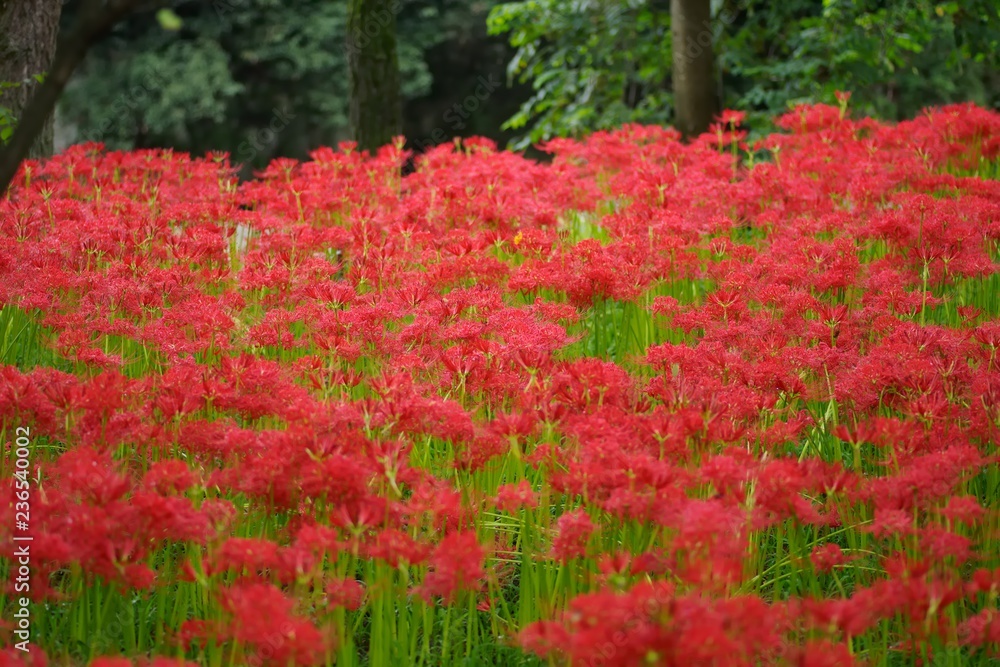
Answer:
(375, 109)
(695, 100)
(28, 33)
(94, 19)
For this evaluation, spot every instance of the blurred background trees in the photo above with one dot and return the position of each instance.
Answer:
(263, 78)
(594, 65)
(267, 78)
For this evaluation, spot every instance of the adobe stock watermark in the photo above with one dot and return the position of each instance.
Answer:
(458, 113)
(21, 561)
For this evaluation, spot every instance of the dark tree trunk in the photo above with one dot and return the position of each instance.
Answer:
(94, 19)
(375, 108)
(28, 33)
(695, 100)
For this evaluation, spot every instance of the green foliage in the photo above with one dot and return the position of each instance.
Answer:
(266, 77)
(593, 65)
(895, 58)
(597, 63)
(168, 19)
(254, 77)
(7, 124)
(7, 119)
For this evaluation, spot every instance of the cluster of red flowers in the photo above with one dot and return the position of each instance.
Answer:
(703, 404)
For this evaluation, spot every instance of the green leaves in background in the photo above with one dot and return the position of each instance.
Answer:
(222, 75)
(594, 64)
(219, 75)
(7, 124)
(169, 20)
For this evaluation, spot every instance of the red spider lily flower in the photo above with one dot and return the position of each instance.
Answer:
(710, 543)
(219, 512)
(362, 516)
(35, 656)
(779, 494)
(545, 638)
(169, 478)
(939, 544)
(455, 565)
(650, 624)
(983, 581)
(357, 354)
(396, 547)
(827, 556)
(573, 531)
(169, 518)
(731, 117)
(982, 629)
(138, 576)
(442, 504)
(511, 498)
(891, 522)
(822, 653)
(262, 617)
(201, 632)
(238, 554)
(347, 593)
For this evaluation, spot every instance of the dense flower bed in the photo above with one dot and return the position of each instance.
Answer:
(651, 403)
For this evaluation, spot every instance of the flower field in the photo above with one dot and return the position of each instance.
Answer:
(647, 404)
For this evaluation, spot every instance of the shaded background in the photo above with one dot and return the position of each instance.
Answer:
(268, 78)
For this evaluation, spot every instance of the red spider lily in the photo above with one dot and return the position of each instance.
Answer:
(512, 497)
(574, 531)
(35, 656)
(651, 624)
(983, 629)
(294, 390)
(261, 616)
(732, 117)
(142, 662)
(825, 557)
(455, 565)
(396, 547)
(169, 478)
(347, 593)
(238, 554)
(822, 653)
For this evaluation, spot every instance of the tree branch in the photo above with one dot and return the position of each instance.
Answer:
(96, 18)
